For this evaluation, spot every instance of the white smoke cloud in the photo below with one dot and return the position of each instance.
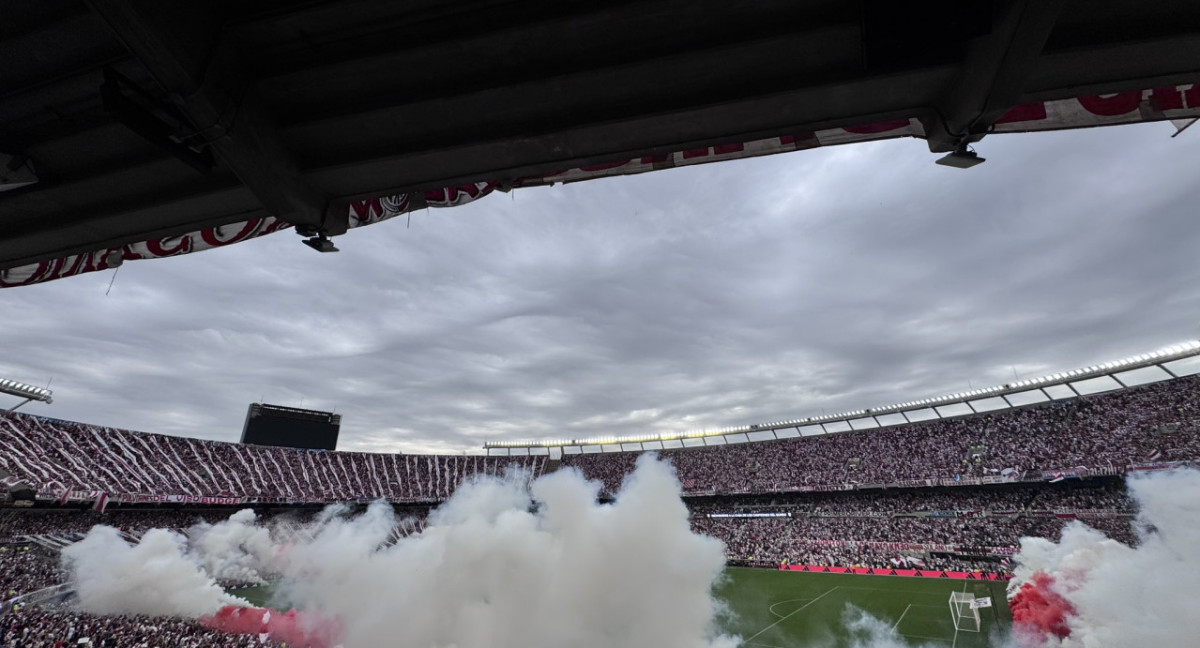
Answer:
(489, 572)
(234, 549)
(1123, 596)
(503, 564)
(154, 577)
(867, 631)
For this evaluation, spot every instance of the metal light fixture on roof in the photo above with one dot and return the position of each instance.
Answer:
(28, 392)
(961, 158)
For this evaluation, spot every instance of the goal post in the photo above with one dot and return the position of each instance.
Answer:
(964, 612)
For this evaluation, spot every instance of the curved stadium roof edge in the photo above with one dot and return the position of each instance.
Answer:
(119, 142)
(1105, 369)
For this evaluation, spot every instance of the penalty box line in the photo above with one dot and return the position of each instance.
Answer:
(747, 640)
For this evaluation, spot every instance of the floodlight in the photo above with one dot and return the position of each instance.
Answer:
(320, 243)
(16, 171)
(963, 158)
(28, 392)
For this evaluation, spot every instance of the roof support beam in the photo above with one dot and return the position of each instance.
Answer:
(14, 407)
(993, 76)
(181, 45)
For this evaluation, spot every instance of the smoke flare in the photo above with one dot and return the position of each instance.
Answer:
(502, 564)
(1120, 596)
(154, 576)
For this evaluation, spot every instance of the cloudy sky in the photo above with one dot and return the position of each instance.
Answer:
(723, 294)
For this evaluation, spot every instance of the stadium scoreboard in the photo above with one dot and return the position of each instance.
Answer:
(290, 427)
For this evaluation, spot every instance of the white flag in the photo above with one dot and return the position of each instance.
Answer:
(981, 603)
(1181, 124)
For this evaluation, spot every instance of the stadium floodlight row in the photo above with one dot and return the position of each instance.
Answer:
(1111, 370)
(27, 392)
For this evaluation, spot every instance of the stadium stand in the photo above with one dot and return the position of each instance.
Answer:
(26, 567)
(871, 528)
(951, 494)
(54, 457)
(50, 627)
(1100, 434)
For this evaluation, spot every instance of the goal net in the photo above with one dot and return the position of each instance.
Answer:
(964, 612)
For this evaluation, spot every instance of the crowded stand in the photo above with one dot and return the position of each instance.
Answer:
(54, 456)
(55, 627)
(959, 528)
(50, 522)
(27, 567)
(898, 497)
(1004, 499)
(1101, 433)
(804, 539)
(30, 539)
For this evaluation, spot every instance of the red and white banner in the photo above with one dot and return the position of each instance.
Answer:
(1176, 103)
(53, 492)
(892, 571)
(181, 499)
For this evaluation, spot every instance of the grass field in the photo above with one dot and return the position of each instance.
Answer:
(777, 609)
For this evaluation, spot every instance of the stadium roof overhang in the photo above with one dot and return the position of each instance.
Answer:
(135, 129)
(1112, 369)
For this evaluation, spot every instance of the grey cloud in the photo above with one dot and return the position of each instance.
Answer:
(722, 294)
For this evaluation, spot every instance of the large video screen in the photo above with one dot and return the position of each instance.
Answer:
(271, 425)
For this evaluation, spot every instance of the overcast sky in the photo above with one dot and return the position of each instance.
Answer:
(723, 294)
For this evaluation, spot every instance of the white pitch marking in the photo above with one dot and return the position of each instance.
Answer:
(897, 624)
(772, 608)
(937, 639)
(782, 619)
(896, 591)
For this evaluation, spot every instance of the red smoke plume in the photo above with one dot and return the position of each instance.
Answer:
(1039, 611)
(291, 627)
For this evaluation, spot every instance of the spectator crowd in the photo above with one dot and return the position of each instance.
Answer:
(1158, 422)
(751, 496)
(813, 540)
(56, 456)
(829, 528)
(1154, 423)
(26, 567)
(1009, 498)
(55, 627)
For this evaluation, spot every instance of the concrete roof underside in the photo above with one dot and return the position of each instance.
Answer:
(148, 119)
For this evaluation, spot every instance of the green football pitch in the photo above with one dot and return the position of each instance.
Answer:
(784, 609)
(777, 609)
